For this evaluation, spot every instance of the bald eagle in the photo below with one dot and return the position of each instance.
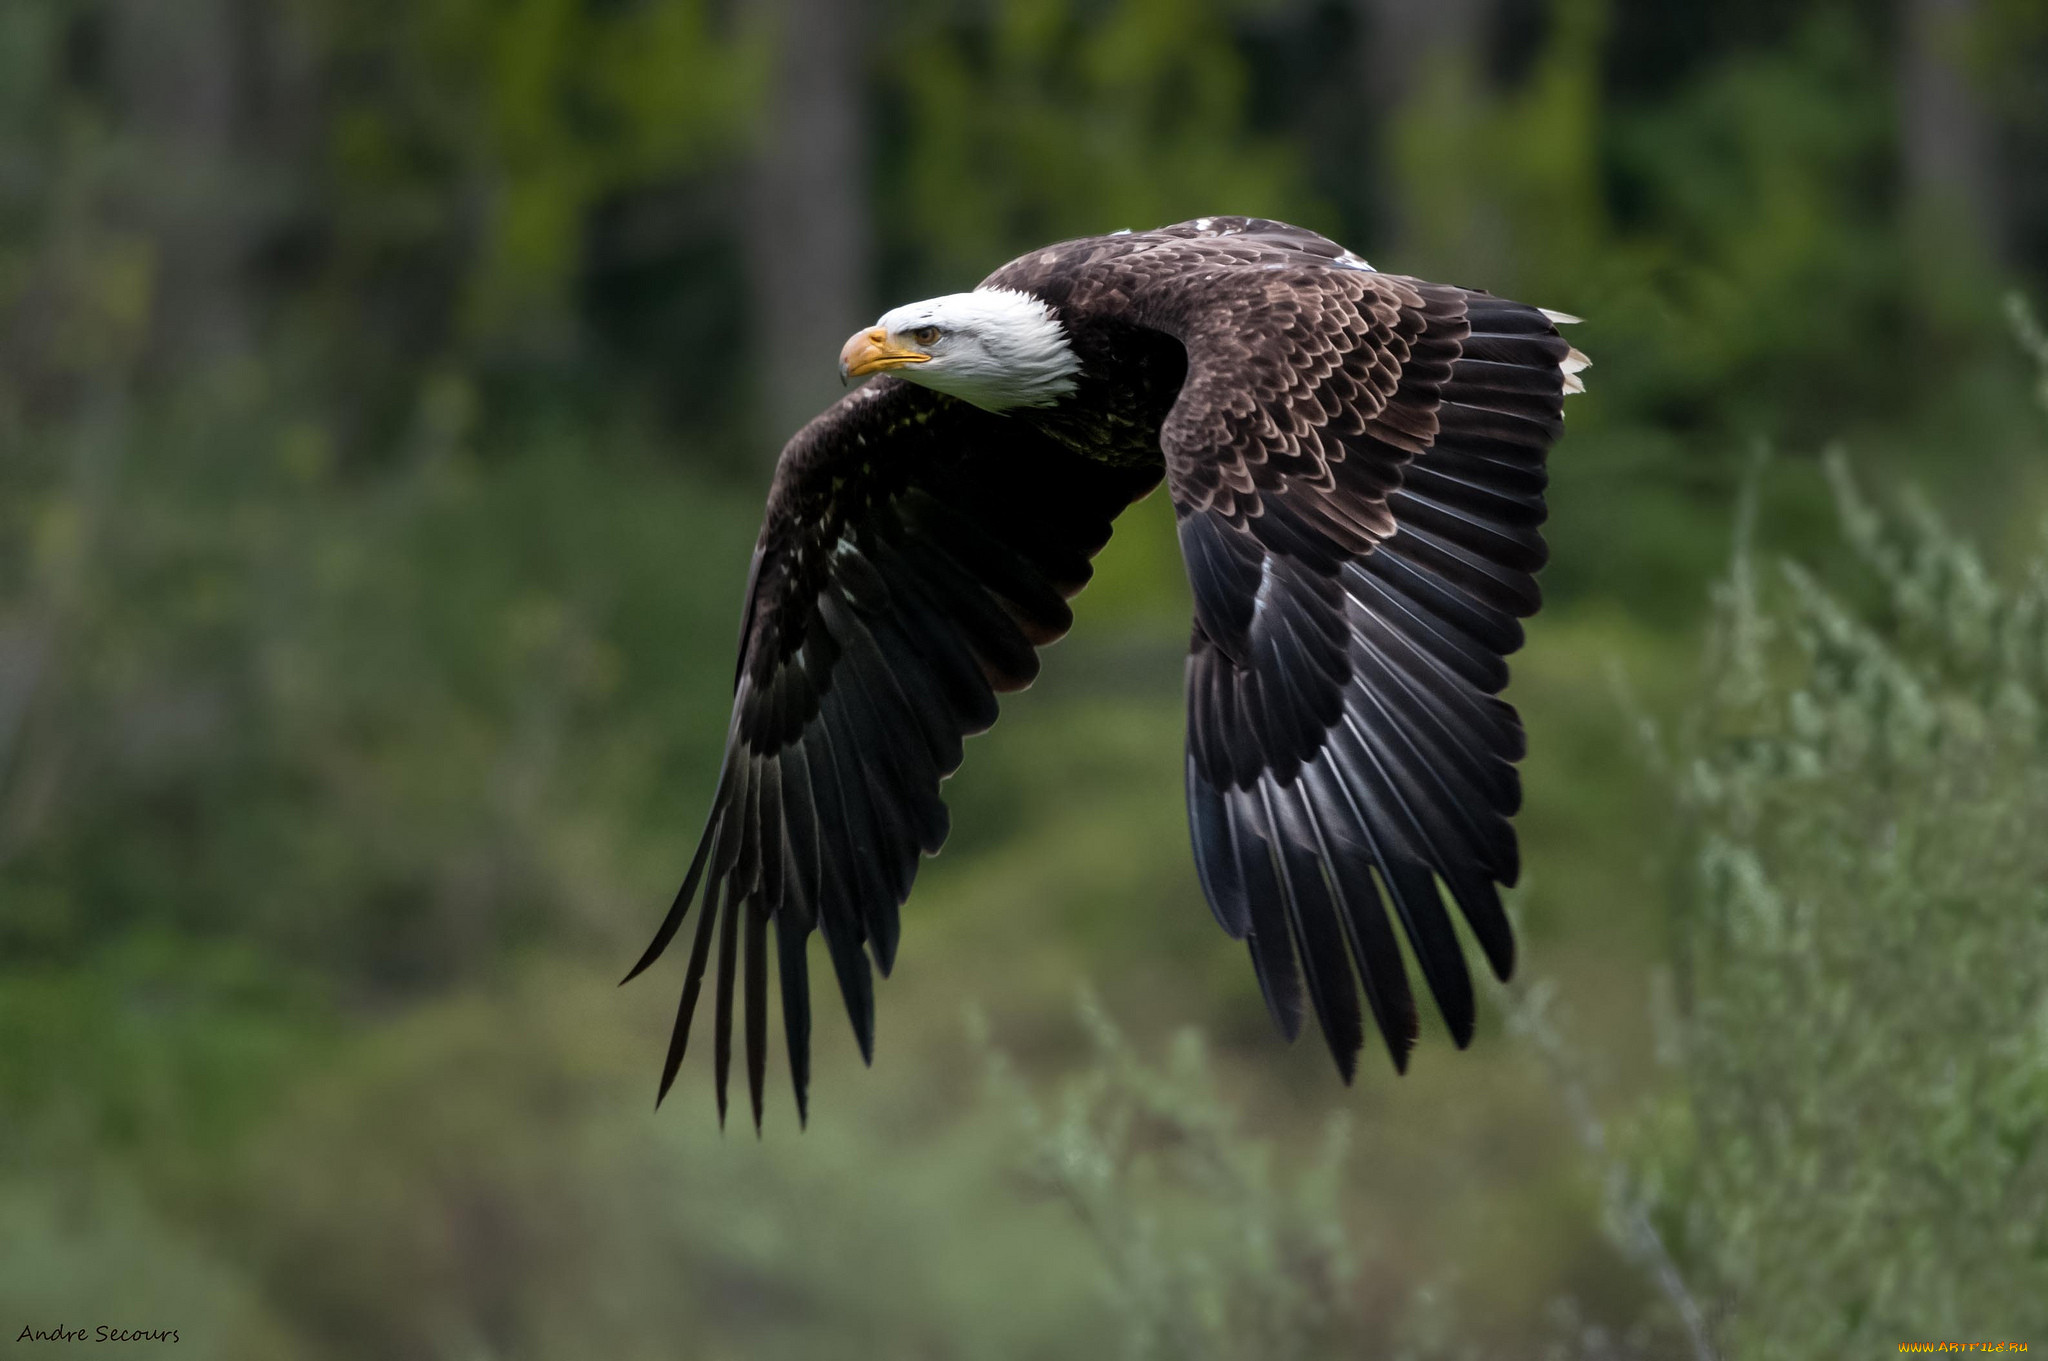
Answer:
(1356, 463)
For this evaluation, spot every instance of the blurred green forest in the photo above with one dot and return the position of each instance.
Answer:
(388, 390)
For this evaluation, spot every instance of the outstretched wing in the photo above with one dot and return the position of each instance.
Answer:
(917, 550)
(1356, 462)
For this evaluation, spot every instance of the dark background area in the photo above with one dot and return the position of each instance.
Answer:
(388, 390)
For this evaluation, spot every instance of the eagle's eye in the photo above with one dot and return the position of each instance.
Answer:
(925, 335)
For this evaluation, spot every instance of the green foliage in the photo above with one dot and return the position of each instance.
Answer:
(1061, 119)
(64, 1241)
(1743, 214)
(159, 1053)
(1859, 1155)
(255, 717)
(1205, 1256)
(1469, 159)
(486, 131)
(1755, 197)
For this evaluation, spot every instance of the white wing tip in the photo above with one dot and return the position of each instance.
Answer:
(1571, 366)
(1560, 318)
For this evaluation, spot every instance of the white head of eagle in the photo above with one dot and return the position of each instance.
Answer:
(995, 347)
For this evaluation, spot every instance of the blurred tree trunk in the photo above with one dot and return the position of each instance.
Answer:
(177, 72)
(1407, 47)
(808, 245)
(1945, 133)
(1404, 37)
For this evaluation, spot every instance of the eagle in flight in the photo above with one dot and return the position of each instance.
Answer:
(1356, 462)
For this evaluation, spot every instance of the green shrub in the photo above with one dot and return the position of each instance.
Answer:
(1205, 1256)
(1856, 1156)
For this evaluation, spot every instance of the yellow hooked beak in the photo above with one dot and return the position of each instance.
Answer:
(870, 352)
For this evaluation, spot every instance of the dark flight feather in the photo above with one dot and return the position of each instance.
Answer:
(895, 591)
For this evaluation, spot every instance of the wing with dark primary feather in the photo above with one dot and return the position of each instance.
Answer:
(916, 552)
(1357, 467)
